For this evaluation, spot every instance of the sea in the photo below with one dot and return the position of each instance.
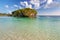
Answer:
(39, 28)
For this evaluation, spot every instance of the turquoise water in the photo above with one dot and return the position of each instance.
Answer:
(40, 28)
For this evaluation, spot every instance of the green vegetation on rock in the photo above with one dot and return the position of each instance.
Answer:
(26, 12)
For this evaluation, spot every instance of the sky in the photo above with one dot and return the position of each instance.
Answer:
(43, 7)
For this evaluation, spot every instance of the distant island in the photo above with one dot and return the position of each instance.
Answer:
(26, 12)
(4, 14)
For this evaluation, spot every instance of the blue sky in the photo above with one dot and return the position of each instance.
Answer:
(44, 7)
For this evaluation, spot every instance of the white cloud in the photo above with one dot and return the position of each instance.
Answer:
(42, 1)
(48, 4)
(49, 1)
(25, 4)
(30, 6)
(15, 5)
(53, 4)
(36, 3)
(6, 6)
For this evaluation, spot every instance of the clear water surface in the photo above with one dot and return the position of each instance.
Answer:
(40, 28)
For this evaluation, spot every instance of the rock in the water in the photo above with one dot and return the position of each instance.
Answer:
(26, 12)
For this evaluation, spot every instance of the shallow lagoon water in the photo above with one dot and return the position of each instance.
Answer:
(40, 28)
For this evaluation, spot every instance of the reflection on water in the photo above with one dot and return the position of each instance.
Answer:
(40, 28)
